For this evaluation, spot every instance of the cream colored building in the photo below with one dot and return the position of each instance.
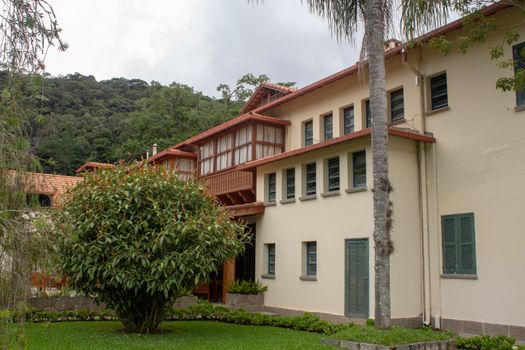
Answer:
(457, 165)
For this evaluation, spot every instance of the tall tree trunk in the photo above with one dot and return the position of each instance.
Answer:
(375, 26)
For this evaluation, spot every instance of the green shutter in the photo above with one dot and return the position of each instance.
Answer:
(519, 65)
(467, 247)
(356, 281)
(458, 240)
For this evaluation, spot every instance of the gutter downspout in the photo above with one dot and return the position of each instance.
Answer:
(423, 192)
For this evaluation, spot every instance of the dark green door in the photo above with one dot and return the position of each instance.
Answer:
(356, 278)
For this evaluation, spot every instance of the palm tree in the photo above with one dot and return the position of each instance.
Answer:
(344, 17)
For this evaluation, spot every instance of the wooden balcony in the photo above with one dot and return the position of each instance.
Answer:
(232, 187)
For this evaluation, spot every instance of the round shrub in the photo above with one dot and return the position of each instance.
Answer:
(137, 237)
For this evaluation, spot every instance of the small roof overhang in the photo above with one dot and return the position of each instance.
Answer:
(412, 135)
(242, 119)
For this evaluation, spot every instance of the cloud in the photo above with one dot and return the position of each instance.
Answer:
(199, 43)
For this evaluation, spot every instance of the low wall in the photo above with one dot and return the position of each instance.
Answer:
(65, 304)
(80, 302)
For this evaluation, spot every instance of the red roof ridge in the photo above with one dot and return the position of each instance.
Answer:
(94, 165)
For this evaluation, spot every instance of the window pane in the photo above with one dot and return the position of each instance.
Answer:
(308, 133)
(368, 114)
(328, 126)
(310, 179)
(397, 108)
(348, 122)
(271, 259)
(519, 65)
(333, 174)
(311, 258)
(271, 187)
(459, 252)
(359, 168)
(438, 90)
(290, 183)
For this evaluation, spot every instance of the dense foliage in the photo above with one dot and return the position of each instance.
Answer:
(137, 237)
(246, 287)
(76, 118)
(487, 342)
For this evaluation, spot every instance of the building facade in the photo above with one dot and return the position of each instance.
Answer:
(296, 166)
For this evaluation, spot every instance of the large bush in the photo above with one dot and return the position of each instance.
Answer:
(136, 237)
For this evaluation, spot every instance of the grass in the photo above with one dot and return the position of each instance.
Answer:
(176, 335)
(392, 337)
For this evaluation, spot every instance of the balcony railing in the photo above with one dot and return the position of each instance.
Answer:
(229, 182)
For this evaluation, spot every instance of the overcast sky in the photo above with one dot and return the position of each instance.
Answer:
(201, 43)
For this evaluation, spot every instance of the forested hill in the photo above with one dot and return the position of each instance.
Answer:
(81, 119)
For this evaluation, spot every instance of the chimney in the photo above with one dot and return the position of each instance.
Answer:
(147, 154)
(154, 149)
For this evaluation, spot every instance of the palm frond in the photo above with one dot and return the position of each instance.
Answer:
(418, 16)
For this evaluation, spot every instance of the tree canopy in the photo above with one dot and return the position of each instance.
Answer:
(138, 237)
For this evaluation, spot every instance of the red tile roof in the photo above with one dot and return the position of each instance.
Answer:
(94, 165)
(254, 100)
(457, 24)
(244, 118)
(49, 184)
(412, 135)
(171, 153)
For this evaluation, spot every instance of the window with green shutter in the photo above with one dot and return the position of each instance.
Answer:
(308, 133)
(518, 53)
(368, 114)
(290, 183)
(458, 241)
(333, 174)
(311, 258)
(348, 120)
(438, 91)
(359, 169)
(328, 126)
(311, 187)
(271, 188)
(397, 105)
(271, 258)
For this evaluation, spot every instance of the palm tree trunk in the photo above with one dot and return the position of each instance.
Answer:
(382, 208)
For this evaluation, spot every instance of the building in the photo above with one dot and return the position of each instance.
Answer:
(296, 166)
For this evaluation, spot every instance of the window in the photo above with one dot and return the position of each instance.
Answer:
(271, 187)
(224, 152)
(438, 91)
(328, 126)
(243, 145)
(397, 105)
(290, 183)
(207, 153)
(269, 141)
(35, 200)
(348, 120)
(359, 169)
(310, 179)
(459, 249)
(333, 174)
(308, 133)
(270, 249)
(518, 53)
(311, 258)
(368, 114)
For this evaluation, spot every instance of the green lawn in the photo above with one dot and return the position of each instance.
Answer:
(177, 335)
(392, 337)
